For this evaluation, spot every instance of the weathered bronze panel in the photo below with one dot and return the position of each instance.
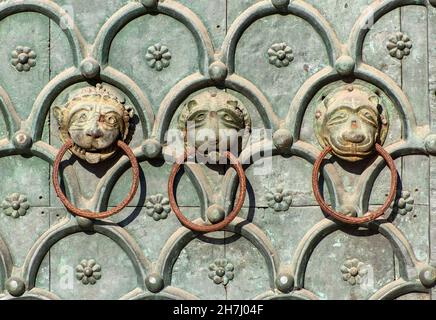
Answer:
(313, 123)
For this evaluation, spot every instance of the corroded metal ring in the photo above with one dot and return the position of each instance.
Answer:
(369, 216)
(86, 213)
(234, 162)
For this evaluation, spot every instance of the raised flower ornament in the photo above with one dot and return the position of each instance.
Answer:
(279, 199)
(404, 204)
(88, 271)
(15, 205)
(221, 271)
(158, 57)
(23, 58)
(280, 55)
(157, 207)
(399, 45)
(353, 271)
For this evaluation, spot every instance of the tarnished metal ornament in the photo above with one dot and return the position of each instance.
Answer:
(215, 213)
(221, 271)
(90, 68)
(88, 272)
(154, 283)
(22, 140)
(280, 4)
(279, 199)
(215, 120)
(94, 118)
(282, 73)
(15, 286)
(218, 71)
(430, 144)
(158, 57)
(15, 205)
(427, 276)
(285, 281)
(23, 58)
(283, 139)
(85, 223)
(280, 55)
(353, 271)
(152, 148)
(404, 203)
(150, 4)
(345, 65)
(399, 45)
(157, 206)
(352, 119)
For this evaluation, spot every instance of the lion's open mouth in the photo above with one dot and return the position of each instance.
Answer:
(349, 149)
(78, 149)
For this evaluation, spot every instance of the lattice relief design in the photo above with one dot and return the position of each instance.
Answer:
(154, 272)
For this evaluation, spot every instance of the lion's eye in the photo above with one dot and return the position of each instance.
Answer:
(227, 117)
(110, 119)
(200, 117)
(83, 117)
(337, 118)
(369, 117)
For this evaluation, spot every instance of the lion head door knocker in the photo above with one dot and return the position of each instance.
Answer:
(94, 123)
(94, 118)
(351, 123)
(213, 122)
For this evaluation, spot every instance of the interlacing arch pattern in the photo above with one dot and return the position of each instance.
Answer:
(216, 67)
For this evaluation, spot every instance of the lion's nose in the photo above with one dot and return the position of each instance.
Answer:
(353, 137)
(94, 132)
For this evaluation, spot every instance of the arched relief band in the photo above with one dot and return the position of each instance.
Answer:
(48, 94)
(72, 76)
(60, 232)
(87, 213)
(173, 9)
(263, 9)
(372, 14)
(196, 82)
(9, 113)
(369, 216)
(234, 162)
(249, 231)
(55, 13)
(395, 93)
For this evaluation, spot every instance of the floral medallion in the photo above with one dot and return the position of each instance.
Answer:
(15, 205)
(88, 271)
(158, 57)
(23, 58)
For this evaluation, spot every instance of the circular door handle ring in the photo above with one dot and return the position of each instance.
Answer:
(86, 213)
(369, 216)
(234, 162)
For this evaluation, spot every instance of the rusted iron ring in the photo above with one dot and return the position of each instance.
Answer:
(234, 162)
(86, 213)
(369, 216)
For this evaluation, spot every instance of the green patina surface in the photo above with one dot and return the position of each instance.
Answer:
(291, 233)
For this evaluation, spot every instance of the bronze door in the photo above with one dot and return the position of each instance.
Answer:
(329, 111)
